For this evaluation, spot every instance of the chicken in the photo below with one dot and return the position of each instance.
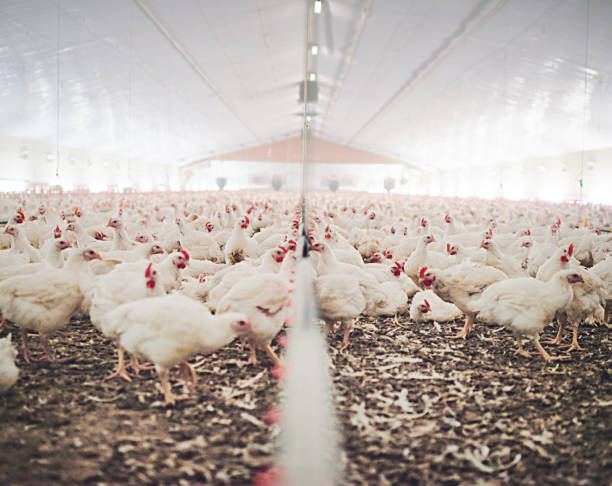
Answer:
(559, 260)
(122, 285)
(46, 300)
(262, 297)
(588, 301)
(418, 257)
(121, 240)
(427, 306)
(240, 246)
(223, 281)
(167, 330)
(603, 270)
(340, 298)
(21, 250)
(54, 259)
(8, 371)
(525, 305)
(505, 263)
(462, 286)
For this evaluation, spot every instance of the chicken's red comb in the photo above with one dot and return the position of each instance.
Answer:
(426, 302)
(422, 272)
(283, 248)
(448, 248)
(20, 211)
(398, 265)
(248, 221)
(185, 254)
(570, 249)
(148, 270)
(528, 232)
(423, 222)
(558, 221)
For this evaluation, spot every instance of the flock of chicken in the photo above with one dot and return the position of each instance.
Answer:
(164, 276)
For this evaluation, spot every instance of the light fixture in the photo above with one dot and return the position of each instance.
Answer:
(317, 6)
(313, 77)
(308, 118)
(314, 49)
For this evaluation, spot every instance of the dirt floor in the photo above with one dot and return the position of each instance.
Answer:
(415, 406)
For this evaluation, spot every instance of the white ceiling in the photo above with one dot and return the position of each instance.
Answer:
(438, 83)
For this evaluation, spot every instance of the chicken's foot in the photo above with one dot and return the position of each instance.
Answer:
(545, 355)
(120, 370)
(273, 356)
(575, 346)
(467, 328)
(348, 327)
(25, 351)
(170, 398)
(520, 350)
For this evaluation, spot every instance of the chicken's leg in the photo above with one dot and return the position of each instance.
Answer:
(467, 328)
(348, 327)
(544, 354)
(25, 352)
(170, 397)
(137, 367)
(575, 346)
(521, 351)
(120, 371)
(189, 375)
(607, 315)
(559, 338)
(252, 354)
(273, 356)
(45, 345)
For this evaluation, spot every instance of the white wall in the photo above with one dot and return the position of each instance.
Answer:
(23, 162)
(248, 174)
(549, 178)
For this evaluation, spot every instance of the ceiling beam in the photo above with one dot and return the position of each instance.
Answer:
(192, 63)
(475, 19)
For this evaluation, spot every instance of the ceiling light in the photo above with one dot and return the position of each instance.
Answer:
(312, 77)
(314, 49)
(317, 6)
(308, 118)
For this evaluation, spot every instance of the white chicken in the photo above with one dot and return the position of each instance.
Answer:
(262, 297)
(462, 286)
(340, 298)
(21, 250)
(240, 245)
(8, 371)
(559, 260)
(122, 285)
(46, 300)
(604, 271)
(427, 306)
(525, 305)
(505, 263)
(418, 257)
(588, 301)
(167, 330)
